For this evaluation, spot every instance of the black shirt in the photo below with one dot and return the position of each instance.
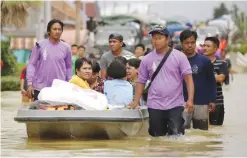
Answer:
(220, 67)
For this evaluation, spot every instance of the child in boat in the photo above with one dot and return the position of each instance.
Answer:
(132, 71)
(118, 91)
(96, 83)
(83, 72)
(132, 75)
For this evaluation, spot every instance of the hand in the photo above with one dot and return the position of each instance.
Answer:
(133, 105)
(23, 92)
(211, 107)
(189, 106)
(30, 91)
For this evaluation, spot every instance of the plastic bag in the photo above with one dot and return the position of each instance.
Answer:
(62, 91)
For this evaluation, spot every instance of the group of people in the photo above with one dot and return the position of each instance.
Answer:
(182, 86)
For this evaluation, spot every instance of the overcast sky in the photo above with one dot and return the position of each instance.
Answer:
(192, 10)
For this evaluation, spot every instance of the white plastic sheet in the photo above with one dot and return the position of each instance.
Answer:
(67, 92)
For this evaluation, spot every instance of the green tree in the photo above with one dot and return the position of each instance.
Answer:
(13, 13)
(16, 12)
(9, 67)
(218, 12)
(240, 19)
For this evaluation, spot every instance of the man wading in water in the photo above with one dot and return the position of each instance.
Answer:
(211, 44)
(165, 96)
(50, 59)
(116, 43)
(204, 82)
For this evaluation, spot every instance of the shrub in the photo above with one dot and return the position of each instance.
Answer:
(10, 83)
(9, 67)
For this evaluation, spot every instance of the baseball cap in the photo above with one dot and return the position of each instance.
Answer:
(117, 36)
(160, 29)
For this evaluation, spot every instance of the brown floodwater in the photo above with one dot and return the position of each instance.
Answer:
(227, 140)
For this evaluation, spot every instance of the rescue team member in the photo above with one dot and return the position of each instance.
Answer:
(165, 96)
(50, 59)
(204, 82)
(211, 44)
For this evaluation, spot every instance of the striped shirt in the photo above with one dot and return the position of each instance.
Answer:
(220, 67)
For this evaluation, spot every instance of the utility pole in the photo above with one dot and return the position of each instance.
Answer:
(245, 26)
(40, 29)
(78, 22)
(84, 15)
(47, 11)
(128, 8)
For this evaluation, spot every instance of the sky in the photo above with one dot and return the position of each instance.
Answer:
(192, 10)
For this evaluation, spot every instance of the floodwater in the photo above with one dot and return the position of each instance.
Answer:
(227, 140)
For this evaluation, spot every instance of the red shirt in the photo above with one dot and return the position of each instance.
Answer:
(22, 76)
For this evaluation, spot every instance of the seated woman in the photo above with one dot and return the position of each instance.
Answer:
(132, 71)
(96, 83)
(132, 75)
(83, 68)
(118, 91)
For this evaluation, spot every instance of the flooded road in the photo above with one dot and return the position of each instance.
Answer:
(227, 140)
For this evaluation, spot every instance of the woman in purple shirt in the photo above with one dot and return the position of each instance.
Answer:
(165, 96)
(50, 59)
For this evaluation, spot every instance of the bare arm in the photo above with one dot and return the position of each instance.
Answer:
(190, 86)
(138, 91)
(103, 67)
(231, 73)
(103, 74)
(220, 78)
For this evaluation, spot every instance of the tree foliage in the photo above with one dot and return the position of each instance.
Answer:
(8, 59)
(221, 10)
(16, 12)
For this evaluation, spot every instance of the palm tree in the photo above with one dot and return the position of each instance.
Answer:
(78, 22)
(15, 12)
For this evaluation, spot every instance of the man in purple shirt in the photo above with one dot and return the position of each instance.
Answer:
(165, 97)
(50, 59)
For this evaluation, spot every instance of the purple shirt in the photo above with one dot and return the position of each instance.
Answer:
(47, 62)
(166, 91)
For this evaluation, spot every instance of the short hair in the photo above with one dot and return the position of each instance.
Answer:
(95, 66)
(140, 45)
(74, 45)
(116, 70)
(122, 59)
(81, 46)
(187, 34)
(51, 22)
(178, 47)
(91, 56)
(79, 63)
(148, 51)
(215, 40)
(134, 62)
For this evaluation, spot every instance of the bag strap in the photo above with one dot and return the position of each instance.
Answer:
(160, 65)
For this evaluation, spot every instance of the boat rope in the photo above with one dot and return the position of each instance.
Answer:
(139, 110)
